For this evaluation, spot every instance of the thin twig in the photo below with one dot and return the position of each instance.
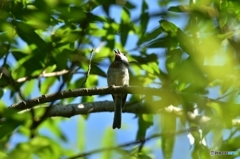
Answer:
(5, 59)
(2, 69)
(8, 75)
(35, 124)
(141, 145)
(134, 142)
(234, 91)
(43, 75)
(89, 68)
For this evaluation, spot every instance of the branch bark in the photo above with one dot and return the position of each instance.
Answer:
(106, 106)
(89, 92)
(137, 108)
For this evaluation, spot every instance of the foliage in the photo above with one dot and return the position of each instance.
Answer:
(46, 46)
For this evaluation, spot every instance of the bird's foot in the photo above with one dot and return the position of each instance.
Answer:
(111, 86)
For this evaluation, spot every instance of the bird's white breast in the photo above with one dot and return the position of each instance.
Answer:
(118, 75)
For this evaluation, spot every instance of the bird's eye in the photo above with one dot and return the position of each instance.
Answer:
(124, 54)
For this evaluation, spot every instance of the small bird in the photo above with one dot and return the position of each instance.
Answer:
(118, 75)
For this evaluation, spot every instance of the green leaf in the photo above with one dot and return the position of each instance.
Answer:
(125, 26)
(168, 124)
(108, 140)
(91, 82)
(8, 127)
(150, 36)
(175, 32)
(144, 17)
(144, 156)
(41, 147)
(129, 5)
(27, 33)
(97, 71)
(144, 122)
(47, 84)
(1, 94)
(81, 128)
(3, 155)
(163, 42)
(53, 127)
(12, 121)
(28, 88)
(175, 9)
(169, 28)
(38, 20)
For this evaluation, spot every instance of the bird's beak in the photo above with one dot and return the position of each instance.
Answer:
(117, 51)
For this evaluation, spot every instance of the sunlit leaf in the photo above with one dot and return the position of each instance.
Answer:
(29, 87)
(168, 124)
(108, 140)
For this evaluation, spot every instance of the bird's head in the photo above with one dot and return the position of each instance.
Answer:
(120, 57)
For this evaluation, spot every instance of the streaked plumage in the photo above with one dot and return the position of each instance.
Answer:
(118, 75)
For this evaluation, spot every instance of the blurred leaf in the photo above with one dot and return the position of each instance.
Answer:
(169, 27)
(174, 9)
(150, 36)
(203, 10)
(8, 127)
(27, 33)
(41, 147)
(144, 156)
(178, 34)
(216, 108)
(81, 128)
(146, 58)
(38, 20)
(53, 127)
(108, 140)
(12, 121)
(1, 93)
(144, 122)
(97, 71)
(3, 155)
(46, 85)
(144, 17)
(129, 5)
(168, 124)
(192, 55)
(91, 82)
(29, 87)
(125, 26)
(165, 42)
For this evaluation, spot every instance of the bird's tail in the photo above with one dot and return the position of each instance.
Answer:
(117, 113)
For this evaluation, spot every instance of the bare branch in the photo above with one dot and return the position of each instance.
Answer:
(89, 92)
(51, 74)
(89, 68)
(42, 75)
(102, 91)
(4, 71)
(136, 108)
(36, 123)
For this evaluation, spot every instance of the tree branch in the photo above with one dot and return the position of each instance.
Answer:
(137, 108)
(50, 74)
(42, 75)
(89, 92)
